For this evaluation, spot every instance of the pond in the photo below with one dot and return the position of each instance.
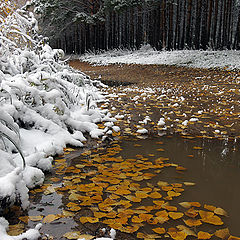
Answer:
(138, 180)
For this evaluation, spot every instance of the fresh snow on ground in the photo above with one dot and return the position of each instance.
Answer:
(44, 105)
(188, 58)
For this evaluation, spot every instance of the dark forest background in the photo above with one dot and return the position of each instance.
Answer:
(90, 25)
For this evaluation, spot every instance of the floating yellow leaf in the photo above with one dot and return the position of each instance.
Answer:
(191, 212)
(222, 233)
(209, 217)
(185, 204)
(147, 236)
(204, 235)
(177, 235)
(187, 230)
(141, 194)
(173, 194)
(89, 219)
(189, 184)
(136, 219)
(159, 230)
(233, 238)
(35, 218)
(133, 198)
(122, 192)
(50, 218)
(155, 195)
(163, 184)
(100, 214)
(24, 219)
(169, 208)
(209, 207)
(162, 216)
(67, 213)
(220, 211)
(145, 216)
(77, 235)
(197, 148)
(167, 188)
(14, 230)
(193, 222)
(175, 215)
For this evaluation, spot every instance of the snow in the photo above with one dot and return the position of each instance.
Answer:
(41, 98)
(189, 58)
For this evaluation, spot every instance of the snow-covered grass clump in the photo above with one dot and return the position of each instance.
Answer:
(188, 58)
(44, 105)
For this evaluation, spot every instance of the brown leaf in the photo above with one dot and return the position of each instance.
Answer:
(35, 218)
(159, 230)
(177, 235)
(220, 211)
(192, 222)
(50, 218)
(175, 215)
(187, 230)
(222, 233)
(204, 235)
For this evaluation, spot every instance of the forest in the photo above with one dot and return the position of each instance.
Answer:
(92, 25)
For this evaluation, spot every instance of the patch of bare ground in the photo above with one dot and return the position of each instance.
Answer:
(196, 102)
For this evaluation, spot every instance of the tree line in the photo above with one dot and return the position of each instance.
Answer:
(78, 26)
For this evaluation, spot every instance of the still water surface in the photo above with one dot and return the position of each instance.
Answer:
(215, 169)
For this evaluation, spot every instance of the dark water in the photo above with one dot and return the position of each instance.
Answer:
(215, 169)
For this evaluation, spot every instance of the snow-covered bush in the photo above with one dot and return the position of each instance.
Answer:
(44, 105)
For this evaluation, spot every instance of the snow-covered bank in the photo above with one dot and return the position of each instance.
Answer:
(44, 105)
(229, 59)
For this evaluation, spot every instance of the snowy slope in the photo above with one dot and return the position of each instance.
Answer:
(229, 59)
(44, 105)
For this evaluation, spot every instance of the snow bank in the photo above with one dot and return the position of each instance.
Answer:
(189, 58)
(44, 105)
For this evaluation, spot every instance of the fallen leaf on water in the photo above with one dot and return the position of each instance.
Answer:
(209, 207)
(159, 230)
(50, 218)
(162, 184)
(89, 219)
(141, 194)
(177, 235)
(155, 195)
(222, 233)
(136, 219)
(133, 198)
(35, 218)
(204, 235)
(77, 235)
(220, 211)
(192, 222)
(147, 236)
(162, 216)
(173, 194)
(67, 213)
(14, 230)
(187, 230)
(198, 148)
(209, 217)
(185, 204)
(24, 219)
(189, 184)
(233, 238)
(175, 215)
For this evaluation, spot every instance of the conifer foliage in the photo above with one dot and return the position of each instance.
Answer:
(77, 26)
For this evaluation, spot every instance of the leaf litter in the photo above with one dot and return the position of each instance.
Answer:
(114, 190)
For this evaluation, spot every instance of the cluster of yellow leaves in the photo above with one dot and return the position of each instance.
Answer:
(113, 189)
